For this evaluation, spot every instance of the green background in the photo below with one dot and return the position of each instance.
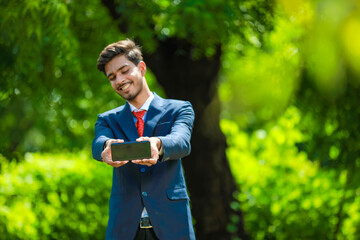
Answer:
(289, 88)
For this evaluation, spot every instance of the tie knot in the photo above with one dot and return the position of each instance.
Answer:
(139, 114)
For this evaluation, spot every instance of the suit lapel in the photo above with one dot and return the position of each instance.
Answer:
(126, 123)
(153, 115)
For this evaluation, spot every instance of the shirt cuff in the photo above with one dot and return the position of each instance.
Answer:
(161, 152)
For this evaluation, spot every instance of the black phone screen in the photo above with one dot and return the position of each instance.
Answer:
(130, 151)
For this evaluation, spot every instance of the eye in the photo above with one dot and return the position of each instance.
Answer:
(125, 71)
(112, 78)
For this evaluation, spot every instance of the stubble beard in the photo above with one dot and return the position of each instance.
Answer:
(130, 97)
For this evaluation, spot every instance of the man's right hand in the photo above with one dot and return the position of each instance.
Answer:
(106, 153)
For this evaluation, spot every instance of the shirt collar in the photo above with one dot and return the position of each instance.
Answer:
(145, 106)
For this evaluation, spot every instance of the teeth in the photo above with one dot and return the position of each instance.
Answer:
(125, 86)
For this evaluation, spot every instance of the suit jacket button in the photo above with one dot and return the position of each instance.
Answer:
(142, 169)
(144, 194)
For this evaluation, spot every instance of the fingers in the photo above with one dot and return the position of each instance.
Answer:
(147, 162)
(141, 139)
(141, 162)
(115, 141)
(106, 154)
(117, 164)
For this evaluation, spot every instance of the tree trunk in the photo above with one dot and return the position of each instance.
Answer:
(207, 171)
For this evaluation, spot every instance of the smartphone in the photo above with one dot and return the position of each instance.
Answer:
(130, 151)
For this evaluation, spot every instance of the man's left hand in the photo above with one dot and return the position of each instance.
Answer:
(155, 146)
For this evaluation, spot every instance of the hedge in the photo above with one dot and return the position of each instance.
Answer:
(284, 194)
(54, 196)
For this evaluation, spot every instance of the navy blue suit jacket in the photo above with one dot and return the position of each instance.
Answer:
(160, 188)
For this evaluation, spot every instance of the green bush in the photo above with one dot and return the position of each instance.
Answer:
(54, 196)
(283, 194)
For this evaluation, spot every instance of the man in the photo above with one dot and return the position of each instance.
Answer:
(149, 198)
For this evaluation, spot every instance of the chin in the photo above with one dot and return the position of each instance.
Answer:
(130, 97)
(127, 96)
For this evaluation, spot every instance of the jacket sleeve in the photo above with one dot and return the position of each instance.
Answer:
(177, 143)
(102, 134)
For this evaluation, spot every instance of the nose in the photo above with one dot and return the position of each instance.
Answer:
(119, 78)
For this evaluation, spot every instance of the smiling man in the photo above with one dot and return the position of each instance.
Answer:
(149, 197)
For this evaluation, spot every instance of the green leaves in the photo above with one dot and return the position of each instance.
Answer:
(54, 196)
(51, 90)
(283, 194)
(204, 24)
(259, 84)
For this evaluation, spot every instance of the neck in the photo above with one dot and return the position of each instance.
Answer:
(141, 97)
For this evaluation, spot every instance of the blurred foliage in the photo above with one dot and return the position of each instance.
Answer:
(283, 194)
(306, 62)
(295, 97)
(312, 48)
(206, 24)
(290, 81)
(50, 89)
(258, 81)
(54, 196)
(329, 94)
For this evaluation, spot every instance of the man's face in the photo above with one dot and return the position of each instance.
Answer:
(125, 77)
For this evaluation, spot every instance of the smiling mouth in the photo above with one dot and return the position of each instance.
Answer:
(124, 86)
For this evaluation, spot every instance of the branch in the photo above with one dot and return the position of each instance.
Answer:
(111, 6)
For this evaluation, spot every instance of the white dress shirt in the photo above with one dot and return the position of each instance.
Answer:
(145, 106)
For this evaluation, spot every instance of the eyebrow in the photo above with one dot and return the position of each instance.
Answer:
(119, 69)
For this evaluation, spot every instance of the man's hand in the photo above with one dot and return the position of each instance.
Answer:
(155, 146)
(106, 154)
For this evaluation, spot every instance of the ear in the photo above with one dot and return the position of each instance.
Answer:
(142, 67)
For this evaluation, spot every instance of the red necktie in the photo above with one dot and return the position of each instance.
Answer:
(139, 121)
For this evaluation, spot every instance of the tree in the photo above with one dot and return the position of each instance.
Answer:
(325, 63)
(48, 96)
(183, 42)
(329, 96)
